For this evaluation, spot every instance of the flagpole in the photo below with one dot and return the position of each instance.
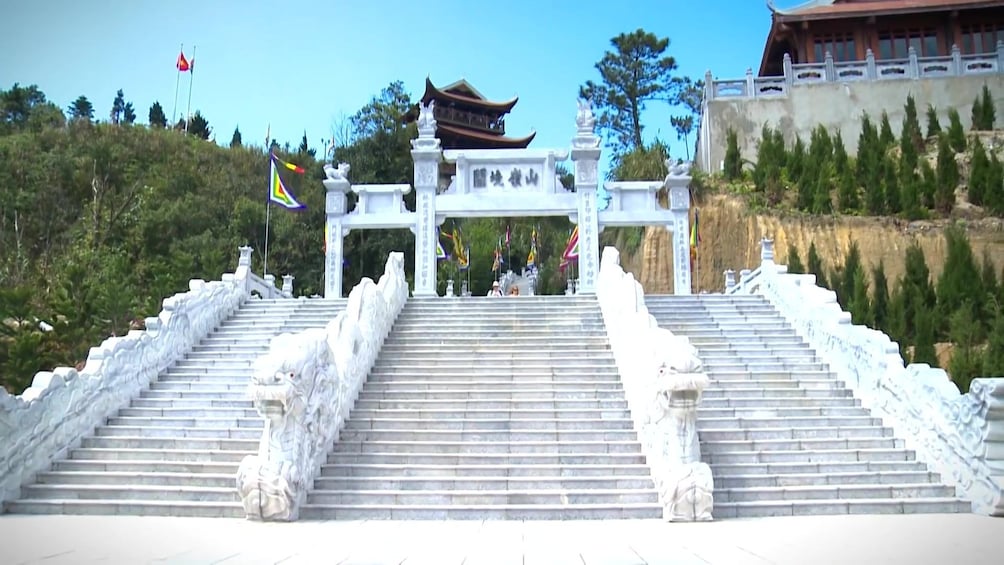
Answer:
(268, 207)
(177, 84)
(191, 79)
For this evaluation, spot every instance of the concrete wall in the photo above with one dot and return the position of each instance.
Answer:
(837, 106)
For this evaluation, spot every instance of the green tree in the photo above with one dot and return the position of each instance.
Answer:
(886, 138)
(947, 177)
(979, 174)
(636, 71)
(933, 127)
(118, 107)
(956, 133)
(16, 106)
(236, 141)
(157, 117)
(911, 135)
(989, 116)
(910, 189)
(81, 109)
(733, 166)
(794, 260)
(847, 195)
(815, 265)
(129, 114)
(915, 290)
(199, 126)
(928, 185)
(869, 164)
(923, 349)
(890, 187)
(822, 202)
(993, 357)
(690, 95)
(880, 298)
(771, 160)
(860, 307)
(966, 362)
(839, 153)
(844, 285)
(960, 280)
(994, 196)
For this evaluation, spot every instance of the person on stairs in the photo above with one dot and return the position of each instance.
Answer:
(495, 291)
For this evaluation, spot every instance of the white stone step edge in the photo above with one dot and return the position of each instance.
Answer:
(62, 406)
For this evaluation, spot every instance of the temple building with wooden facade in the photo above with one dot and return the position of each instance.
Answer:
(465, 119)
(830, 62)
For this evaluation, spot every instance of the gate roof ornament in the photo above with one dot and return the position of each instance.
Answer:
(426, 128)
(341, 172)
(585, 122)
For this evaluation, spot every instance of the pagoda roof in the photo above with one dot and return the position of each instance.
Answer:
(461, 92)
(836, 9)
(482, 139)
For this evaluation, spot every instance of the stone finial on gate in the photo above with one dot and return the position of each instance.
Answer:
(287, 285)
(767, 251)
(730, 279)
(244, 260)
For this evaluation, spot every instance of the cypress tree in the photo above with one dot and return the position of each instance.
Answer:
(880, 298)
(847, 195)
(815, 266)
(989, 112)
(886, 138)
(966, 362)
(794, 261)
(839, 154)
(733, 165)
(852, 264)
(890, 187)
(875, 194)
(822, 202)
(991, 289)
(933, 127)
(994, 195)
(923, 349)
(796, 160)
(860, 306)
(928, 185)
(956, 133)
(979, 174)
(916, 288)
(948, 177)
(976, 115)
(896, 319)
(959, 282)
(911, 134)
(910, 186)
(993, 357)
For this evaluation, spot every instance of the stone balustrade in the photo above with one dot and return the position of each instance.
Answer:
(961, 436)
(663, 380)
(912, 67)
(305, 386)
(62, 405)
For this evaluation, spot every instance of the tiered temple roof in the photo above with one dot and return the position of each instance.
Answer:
(465, 119)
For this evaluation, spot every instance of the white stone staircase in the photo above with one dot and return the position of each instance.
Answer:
(782, 435)
(176, 448)
(489, 408)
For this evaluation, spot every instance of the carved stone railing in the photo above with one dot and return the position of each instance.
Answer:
(63, 405)
(305, 386)
(663, 381)
(870, 69)
(961, 436)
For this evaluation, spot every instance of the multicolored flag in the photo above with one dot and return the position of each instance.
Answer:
(572, 247)
(496, 262)
(277, 191)
(440, 252)
(463, 260)
(508, 236)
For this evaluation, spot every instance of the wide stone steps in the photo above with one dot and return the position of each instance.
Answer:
(782, 434)
(477, 410)
(176, 448)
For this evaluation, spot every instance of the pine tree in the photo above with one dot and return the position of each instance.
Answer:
(989, 112)
(923, 349)
(994, 196)
(966, 362)
(847, 195)
(733, 166)
(794, 261)
(822, 202)
(869, 166)
(991, 289)
(956, 133)
(960, 278)
(979, 174)
(118, 107)
(976, 115)
(128, 114)
(839, 154)
(948, 177)
(916, 289)
(236, 140)
(910, 187)
(880, 298)
(796, 160)
(815, 266)
(933, 127)
(886, 137)
(304, 146)
(157, 117)
(928, 185)
(875, 194)
(890, 187)
(896, 322)
(844, 286)
(860, 307)
(993, 357)
(911, 134)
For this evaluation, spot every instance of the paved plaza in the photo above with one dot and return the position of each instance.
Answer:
(916, 539)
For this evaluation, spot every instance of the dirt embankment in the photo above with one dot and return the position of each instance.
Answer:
(730, 234)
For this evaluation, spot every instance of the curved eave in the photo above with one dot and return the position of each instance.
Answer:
(433, 93)
(778, 31)
(830, 11)
(497, 140)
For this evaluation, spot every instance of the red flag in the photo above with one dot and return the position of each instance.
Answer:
(182, 64)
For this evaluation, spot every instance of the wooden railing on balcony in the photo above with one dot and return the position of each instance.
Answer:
(470, 119)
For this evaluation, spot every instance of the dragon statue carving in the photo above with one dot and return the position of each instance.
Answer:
(294, 386)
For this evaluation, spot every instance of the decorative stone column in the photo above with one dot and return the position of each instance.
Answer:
(678, 184)
(337, 185)
(586, 156)
(730, 279)
(767, 255)
(427, 153)
(287, 286)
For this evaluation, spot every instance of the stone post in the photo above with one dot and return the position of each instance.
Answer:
(464, 290)
(678, 184)
(287, 285)
(337, 185)
(750, 84)
(426, 152)
(914, 63)
(1000, 56)
(568, 287)
(744, 274)
(830, 71)
(449, 289)
(789, 75)
(956, 60)
(871, 71)
(270, 282)
(730, 280)
(709, 86)
(767, 255)
(243, 267)
(586, 156)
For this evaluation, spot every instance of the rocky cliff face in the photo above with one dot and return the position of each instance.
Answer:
(730, 234)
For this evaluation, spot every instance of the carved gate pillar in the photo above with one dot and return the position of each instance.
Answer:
(678, 184)
(427, 153)
(337, 185)
(586, 156)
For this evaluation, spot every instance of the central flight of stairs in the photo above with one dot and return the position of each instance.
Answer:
(782, 435)
(174, 451)
(489, 408)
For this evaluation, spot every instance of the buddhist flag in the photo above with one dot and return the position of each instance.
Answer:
(572, 248)
(440, 252)
(463, 259)
(295, 168)
(531, 259)
(508, 236)
(277, 191)
(695, 235)
(496, 262)
(182, 63)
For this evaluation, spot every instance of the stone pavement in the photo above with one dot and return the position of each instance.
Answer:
(916, 539)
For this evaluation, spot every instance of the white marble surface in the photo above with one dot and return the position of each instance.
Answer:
(817, 540)
(305, 386)
(961, 436)
(63, 405)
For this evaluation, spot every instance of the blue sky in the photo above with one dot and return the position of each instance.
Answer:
(305, 65)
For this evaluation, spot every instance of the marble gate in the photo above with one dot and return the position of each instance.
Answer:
(508, 183)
